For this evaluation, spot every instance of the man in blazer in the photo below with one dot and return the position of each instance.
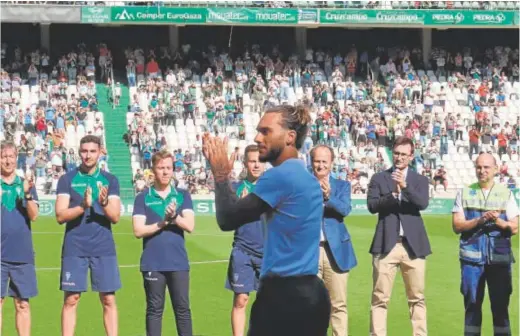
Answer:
(337, 256)
(398, 195)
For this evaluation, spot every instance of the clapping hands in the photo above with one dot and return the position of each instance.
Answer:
(398, 177)
(87, 198)
(170, 213)
(103, 195)
(215, 151)
(325, 188)
(489, 216)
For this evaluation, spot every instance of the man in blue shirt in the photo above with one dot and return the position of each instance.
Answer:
(19, 209)
(291, 300)
(161, 215)
(245, 262)
(88, 203)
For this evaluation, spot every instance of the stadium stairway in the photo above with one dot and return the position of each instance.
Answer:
(115, 128)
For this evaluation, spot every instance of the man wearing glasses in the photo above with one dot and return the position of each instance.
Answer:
(398, 195)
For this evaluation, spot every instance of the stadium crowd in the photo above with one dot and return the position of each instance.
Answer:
(460, 103)
(47, 105)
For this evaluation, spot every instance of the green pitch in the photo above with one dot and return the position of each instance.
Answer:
(208, 250)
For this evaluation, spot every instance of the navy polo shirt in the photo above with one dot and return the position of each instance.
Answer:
(249, 237)
(17, 246)
(89, 235)
(164, 251)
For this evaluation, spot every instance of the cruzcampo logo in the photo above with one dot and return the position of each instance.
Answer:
(399, 17)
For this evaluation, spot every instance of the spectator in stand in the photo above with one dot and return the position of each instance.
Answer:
(403, 100)
(53, 119)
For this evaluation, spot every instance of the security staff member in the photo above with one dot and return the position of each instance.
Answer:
(19, 209)
(161, 215)
(248, 247)
(486, 216)
(337, 255)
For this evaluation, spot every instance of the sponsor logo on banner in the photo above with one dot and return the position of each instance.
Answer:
(158, 14)
(95, 14)
(204, 207)
(399, 17)
(46, 208)
(346, 17)
(489, 18)
(124, 16)
(447, 18)
(307, 16)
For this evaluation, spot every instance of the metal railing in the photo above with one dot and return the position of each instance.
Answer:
(467, 5)
(113, 86)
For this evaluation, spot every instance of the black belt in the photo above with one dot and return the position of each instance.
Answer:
(401, 239)
(324, 243)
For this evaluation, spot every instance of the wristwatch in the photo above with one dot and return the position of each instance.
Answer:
(28, 197)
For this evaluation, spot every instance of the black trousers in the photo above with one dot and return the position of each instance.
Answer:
(178, 284)
(290, 306)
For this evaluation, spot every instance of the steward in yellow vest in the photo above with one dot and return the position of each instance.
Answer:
(486, 216)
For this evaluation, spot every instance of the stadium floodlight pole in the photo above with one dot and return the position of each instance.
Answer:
(230, 38)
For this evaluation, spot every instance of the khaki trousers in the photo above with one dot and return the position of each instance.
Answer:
(336, 283)
(383, 274)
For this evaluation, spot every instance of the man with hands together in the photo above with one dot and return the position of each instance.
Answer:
(292, 299)
(398, 195)
(88, 203)
(337, 255)
(161, 215)
(485, 215)
(19, 209)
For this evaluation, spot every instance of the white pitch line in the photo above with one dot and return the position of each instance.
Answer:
(131, 234)
(137, 265)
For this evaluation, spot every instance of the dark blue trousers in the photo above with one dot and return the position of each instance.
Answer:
(178, 284)
(499, 282)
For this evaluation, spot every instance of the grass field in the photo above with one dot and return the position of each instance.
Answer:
(208, 249)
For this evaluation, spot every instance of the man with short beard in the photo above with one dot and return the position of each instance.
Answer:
(292, 300)
(88, 203)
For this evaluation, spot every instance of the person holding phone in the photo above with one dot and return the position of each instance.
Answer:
(162, 213)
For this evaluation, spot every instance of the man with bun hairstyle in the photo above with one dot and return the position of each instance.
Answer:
(291, 300)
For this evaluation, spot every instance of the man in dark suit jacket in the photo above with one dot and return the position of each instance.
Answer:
(398, 195)
(337, 255)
